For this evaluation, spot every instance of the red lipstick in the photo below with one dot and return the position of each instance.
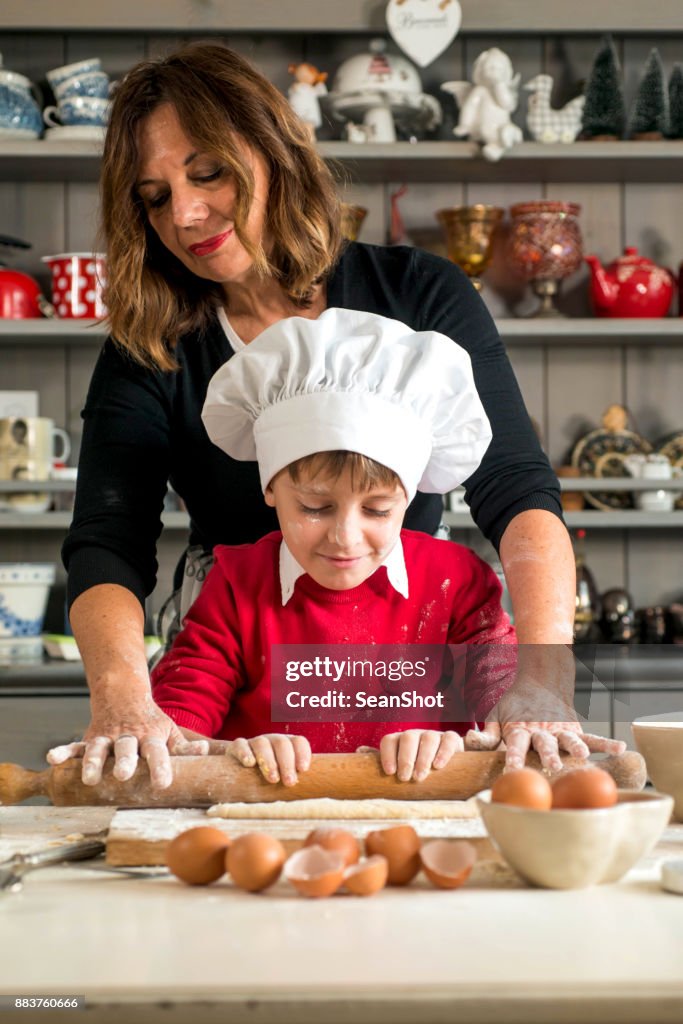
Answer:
(209, 245)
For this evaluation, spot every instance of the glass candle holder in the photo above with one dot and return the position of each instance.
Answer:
(545, 246)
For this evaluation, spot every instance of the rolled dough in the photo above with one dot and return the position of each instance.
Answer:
(327, 808)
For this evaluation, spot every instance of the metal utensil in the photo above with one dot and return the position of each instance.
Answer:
(12, 871)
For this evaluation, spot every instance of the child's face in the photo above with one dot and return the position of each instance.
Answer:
(339, 536)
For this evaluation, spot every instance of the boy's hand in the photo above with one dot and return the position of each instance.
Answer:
(413, 753)
(278, 757)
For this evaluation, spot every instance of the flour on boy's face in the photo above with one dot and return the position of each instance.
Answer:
(337, 535)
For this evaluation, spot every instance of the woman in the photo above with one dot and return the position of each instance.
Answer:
(220, 219)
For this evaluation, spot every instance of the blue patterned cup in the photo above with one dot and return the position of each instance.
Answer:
(82, 67)
(18, 110)
(77, 110)
(94, 84)
(24, 589)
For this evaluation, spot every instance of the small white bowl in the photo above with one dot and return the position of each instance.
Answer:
(574, 849)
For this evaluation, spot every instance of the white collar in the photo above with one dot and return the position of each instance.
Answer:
(229, 331)
(394, 563)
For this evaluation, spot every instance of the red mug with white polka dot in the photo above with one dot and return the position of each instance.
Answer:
(77, 282)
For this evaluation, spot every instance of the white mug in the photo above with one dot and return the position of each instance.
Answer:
(27, 452)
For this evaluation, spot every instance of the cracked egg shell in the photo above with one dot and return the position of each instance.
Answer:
(447, 863)
(197, 855)
(523, 787)
(315, 871)
(254, 861)
(401, 847)
(337, 839)
(367, 876)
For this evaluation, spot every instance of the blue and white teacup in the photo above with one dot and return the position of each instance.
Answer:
(78, 110)
(18, 110)
(82, 67)
(92, 83)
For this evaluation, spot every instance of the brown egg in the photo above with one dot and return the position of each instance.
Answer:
(255, 861)
(315, 871)
(523, 787)
(584, 788)
(197, 856)
(447, 863)
(368, 876)
(335, 839)
(401, 847)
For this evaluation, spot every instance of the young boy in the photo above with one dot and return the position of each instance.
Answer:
(348, 415)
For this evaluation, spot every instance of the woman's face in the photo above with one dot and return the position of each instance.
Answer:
(190, 199)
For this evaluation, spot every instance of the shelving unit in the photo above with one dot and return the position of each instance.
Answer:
(424, 161)
(569, 370)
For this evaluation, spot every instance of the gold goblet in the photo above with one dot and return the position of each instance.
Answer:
(351, 219)
(469, 234)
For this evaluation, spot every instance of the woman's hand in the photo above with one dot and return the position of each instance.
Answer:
(537, 712)
(277, 756)
(412, 754)
(546, 738)
(142, 730)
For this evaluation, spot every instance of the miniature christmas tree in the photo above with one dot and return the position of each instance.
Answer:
(676, 103)
(603, 113)
(649, 114)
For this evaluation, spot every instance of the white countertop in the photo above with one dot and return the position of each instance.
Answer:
(491, 951)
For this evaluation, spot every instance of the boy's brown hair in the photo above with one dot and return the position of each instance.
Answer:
(365, 473)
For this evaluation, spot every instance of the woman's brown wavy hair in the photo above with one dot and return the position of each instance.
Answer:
(220, 99)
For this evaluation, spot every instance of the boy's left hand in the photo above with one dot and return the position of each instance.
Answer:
(414, 753)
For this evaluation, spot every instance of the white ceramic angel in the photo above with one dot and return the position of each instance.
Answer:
(486, 104)
(303, 93)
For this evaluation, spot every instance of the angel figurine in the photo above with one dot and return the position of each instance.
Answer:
(487, 103)
(308, 85)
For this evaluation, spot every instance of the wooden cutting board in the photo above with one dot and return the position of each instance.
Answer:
(138, 837)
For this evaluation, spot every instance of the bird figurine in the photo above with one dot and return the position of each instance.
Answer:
(546, 124)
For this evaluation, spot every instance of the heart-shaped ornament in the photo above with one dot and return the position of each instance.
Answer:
(423, 28)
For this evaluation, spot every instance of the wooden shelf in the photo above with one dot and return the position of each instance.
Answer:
(403, 161)
(311, 16)
(515, 332)
(529, 161)
(591, 331)
(593, 520)
(589, 519)
(52, 332)
(21, 521)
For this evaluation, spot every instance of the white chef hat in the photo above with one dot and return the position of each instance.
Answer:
(351, 381)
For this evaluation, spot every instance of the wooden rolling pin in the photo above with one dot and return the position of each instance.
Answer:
(200, 781)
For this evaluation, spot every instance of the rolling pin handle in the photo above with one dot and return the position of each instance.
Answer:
(18, 784)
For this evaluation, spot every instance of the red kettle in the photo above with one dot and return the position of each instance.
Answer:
(20, 295)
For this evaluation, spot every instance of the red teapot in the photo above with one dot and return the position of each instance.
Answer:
(632, 286)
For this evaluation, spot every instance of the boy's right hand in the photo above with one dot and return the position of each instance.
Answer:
(277, 756)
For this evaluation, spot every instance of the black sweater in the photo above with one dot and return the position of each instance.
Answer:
(143, 428)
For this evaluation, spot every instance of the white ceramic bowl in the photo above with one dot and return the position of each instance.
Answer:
(24, 589)
(659, 738)
(574, 849)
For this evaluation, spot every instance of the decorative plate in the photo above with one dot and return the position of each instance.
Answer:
(672, 447)
(601, 453)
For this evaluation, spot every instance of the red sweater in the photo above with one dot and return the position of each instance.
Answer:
(216, 678)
